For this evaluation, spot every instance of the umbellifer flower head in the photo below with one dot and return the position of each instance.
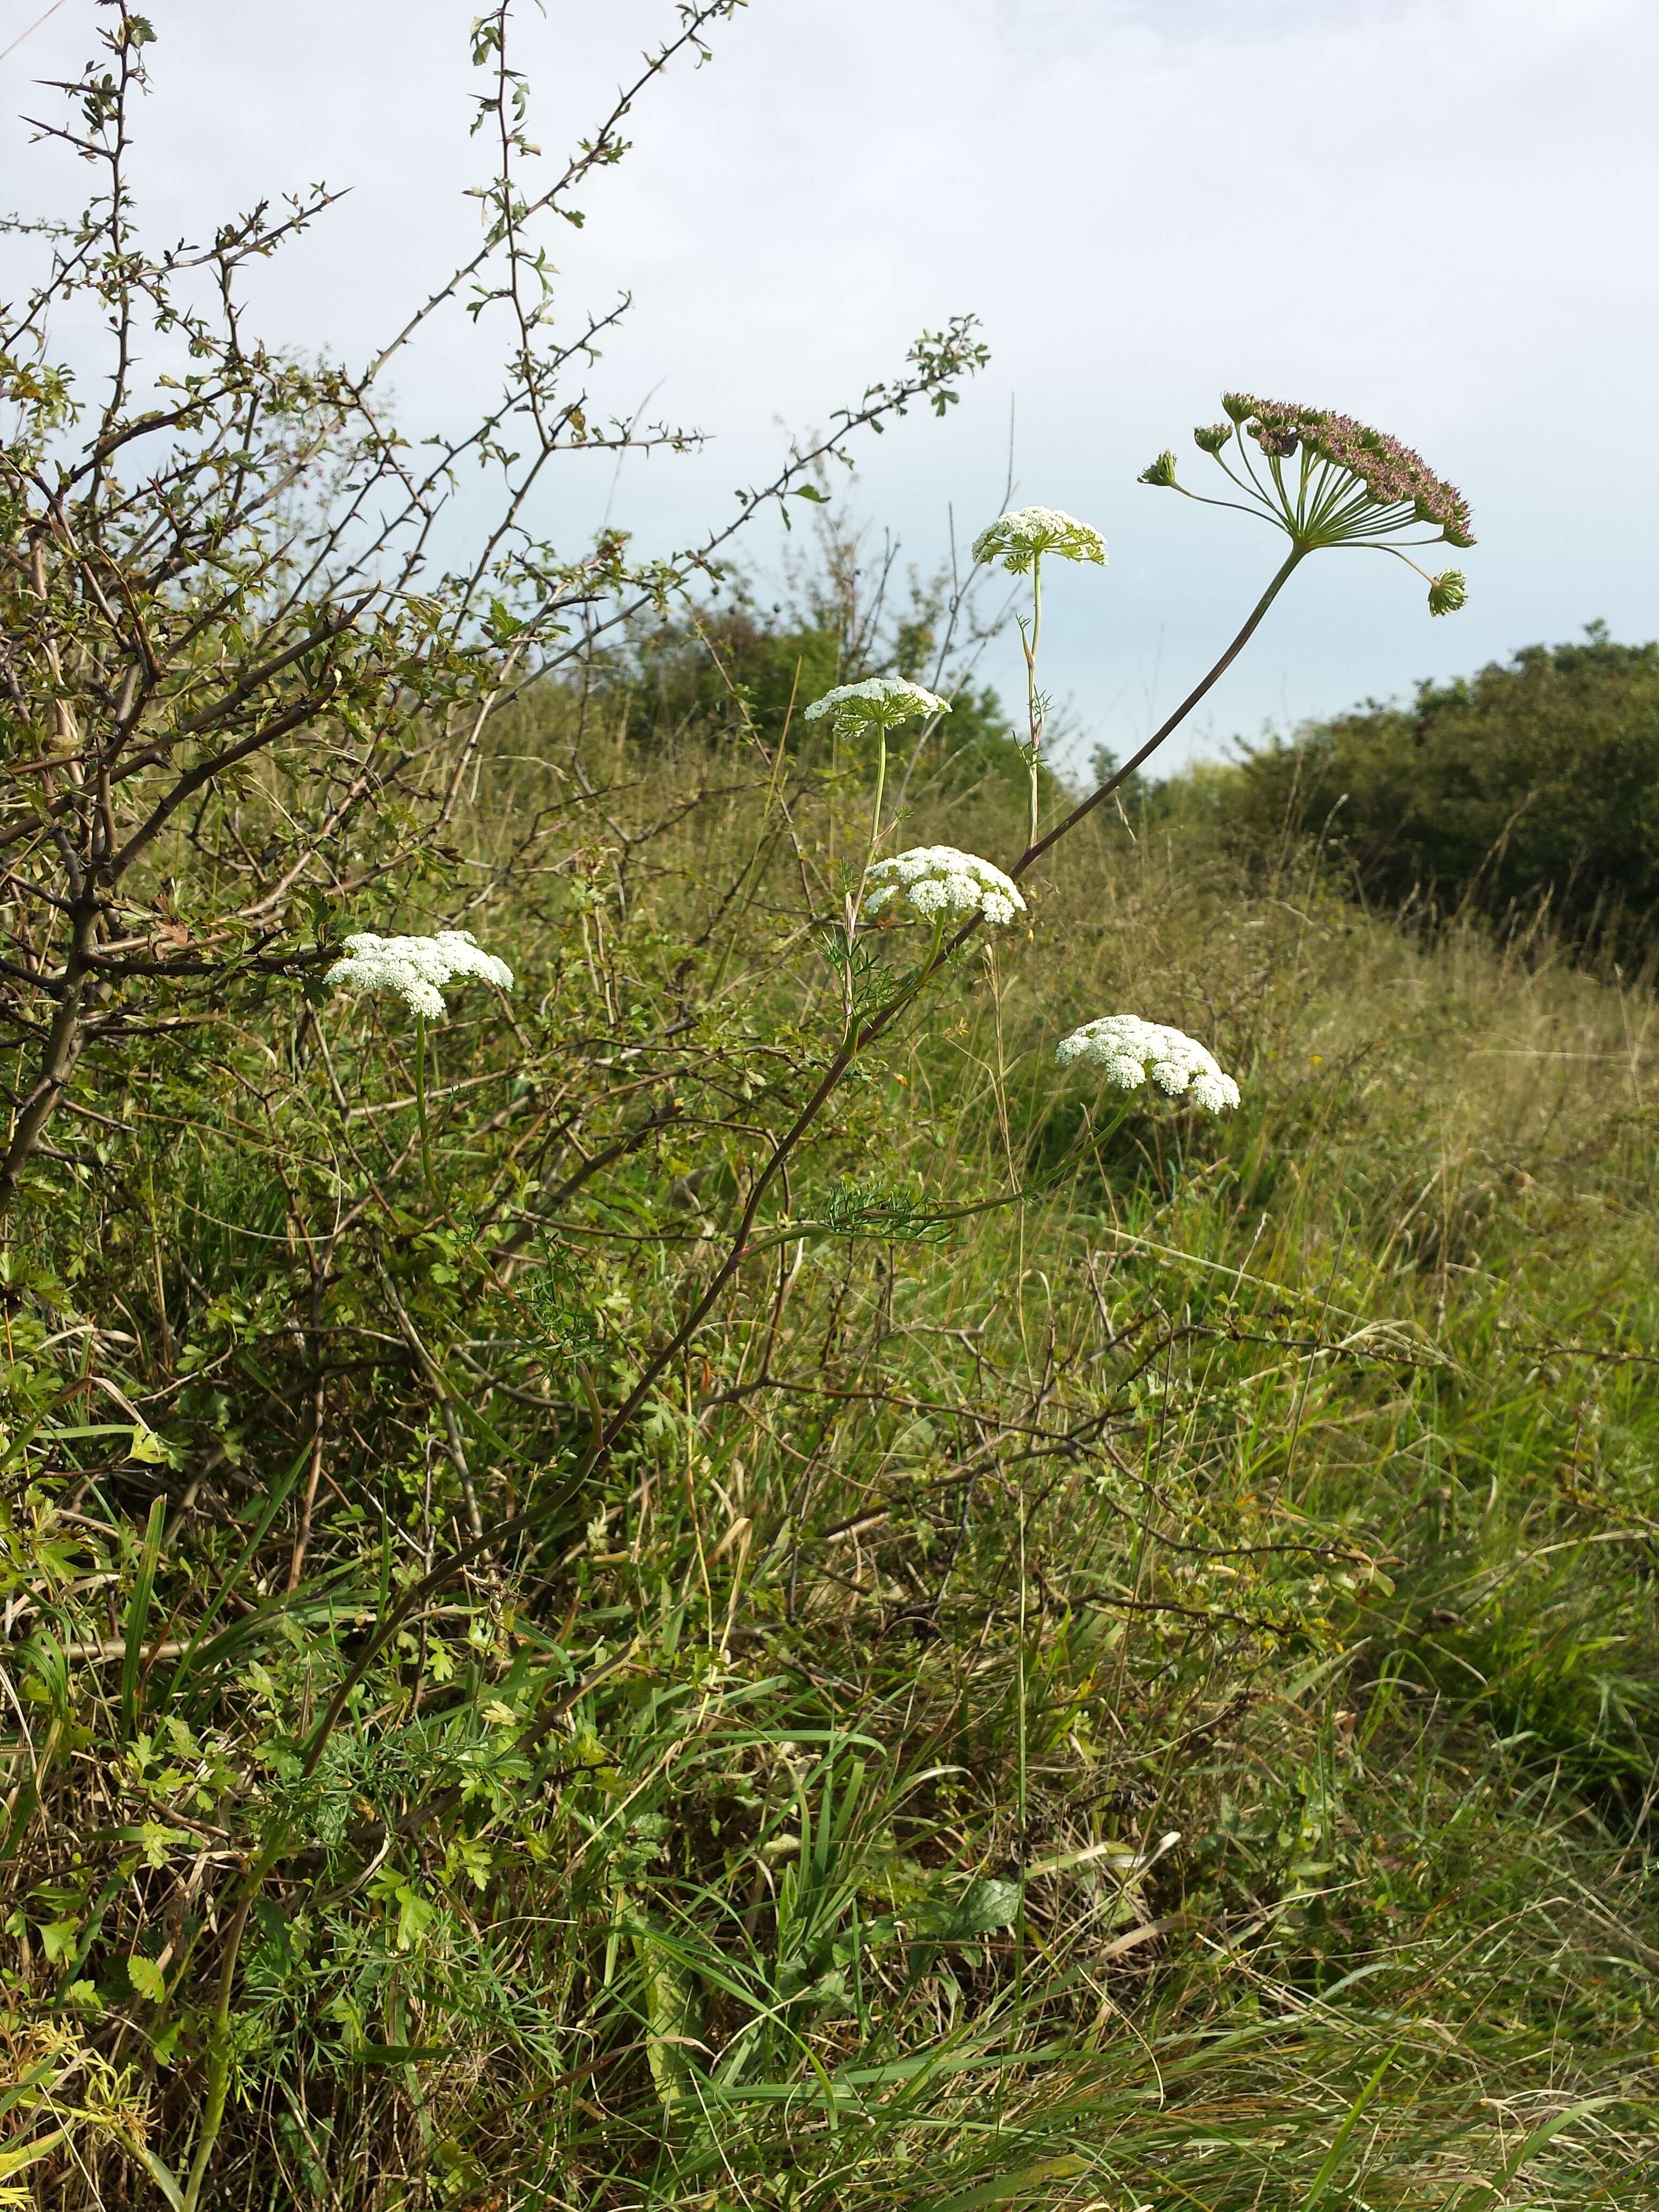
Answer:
(938, 884)
(1353, 486)
(1026, 533)
(878, 702)
(1129, 1052)
(417, 968)
(1392, 473)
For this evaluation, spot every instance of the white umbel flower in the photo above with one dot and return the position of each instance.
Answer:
(938, 884)
(1018, 537)
(1129, 1051)
(417, 968)
(878, 702)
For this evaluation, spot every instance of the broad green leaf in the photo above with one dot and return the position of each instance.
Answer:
(147, 1977)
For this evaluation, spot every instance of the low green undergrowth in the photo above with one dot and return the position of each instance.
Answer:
(1139, 1696)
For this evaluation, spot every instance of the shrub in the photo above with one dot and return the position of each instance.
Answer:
(1531, 786)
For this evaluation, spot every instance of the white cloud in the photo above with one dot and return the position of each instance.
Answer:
(1429, 212)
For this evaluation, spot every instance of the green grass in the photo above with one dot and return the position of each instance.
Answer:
(1145, 1697)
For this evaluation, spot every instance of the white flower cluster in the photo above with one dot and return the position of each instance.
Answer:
(1016, 538)
(1128, 1050)
(880, 700)
(417, 968)
(938, 884)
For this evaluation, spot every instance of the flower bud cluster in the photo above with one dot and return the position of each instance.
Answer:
(878, 702)
(417, 968)
(1025, 533)
(1129, 1052)
(938, 884)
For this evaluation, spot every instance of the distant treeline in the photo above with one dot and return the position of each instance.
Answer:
(1531, 785)
(719, 667)
(1529, 788)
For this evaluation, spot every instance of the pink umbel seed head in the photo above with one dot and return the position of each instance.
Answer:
(1394, 475)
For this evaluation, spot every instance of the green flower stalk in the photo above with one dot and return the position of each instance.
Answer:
(1350, 485)
(879, 703)
(1018, 540)
(416, 969)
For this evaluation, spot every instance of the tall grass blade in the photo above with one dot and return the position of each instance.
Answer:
(137, 1619)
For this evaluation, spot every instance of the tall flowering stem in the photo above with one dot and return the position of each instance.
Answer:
(417, 970)
(1039, 846)
(421, 1114)
(1036, 706)
(1016, 541)
(880, 703)
(1353, 486)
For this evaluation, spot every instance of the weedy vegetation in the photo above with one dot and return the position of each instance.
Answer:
(656, 1556)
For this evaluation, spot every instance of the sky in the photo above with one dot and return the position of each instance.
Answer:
(1435, 214)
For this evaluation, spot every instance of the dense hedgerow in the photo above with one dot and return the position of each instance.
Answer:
(1531, 787)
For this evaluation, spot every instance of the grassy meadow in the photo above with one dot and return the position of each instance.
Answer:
(1140, 1694)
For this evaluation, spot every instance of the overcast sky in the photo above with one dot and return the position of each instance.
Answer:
(1436, 214)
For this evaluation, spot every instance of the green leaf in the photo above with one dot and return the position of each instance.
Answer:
(147, 1977)
(415, 1913)
(985, 1906)
(58, 1939)
(1548, 2132)
(1065, 2167)
(154, 1839)
(21, 2155)
(1333, 2157)
(671, 2013)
